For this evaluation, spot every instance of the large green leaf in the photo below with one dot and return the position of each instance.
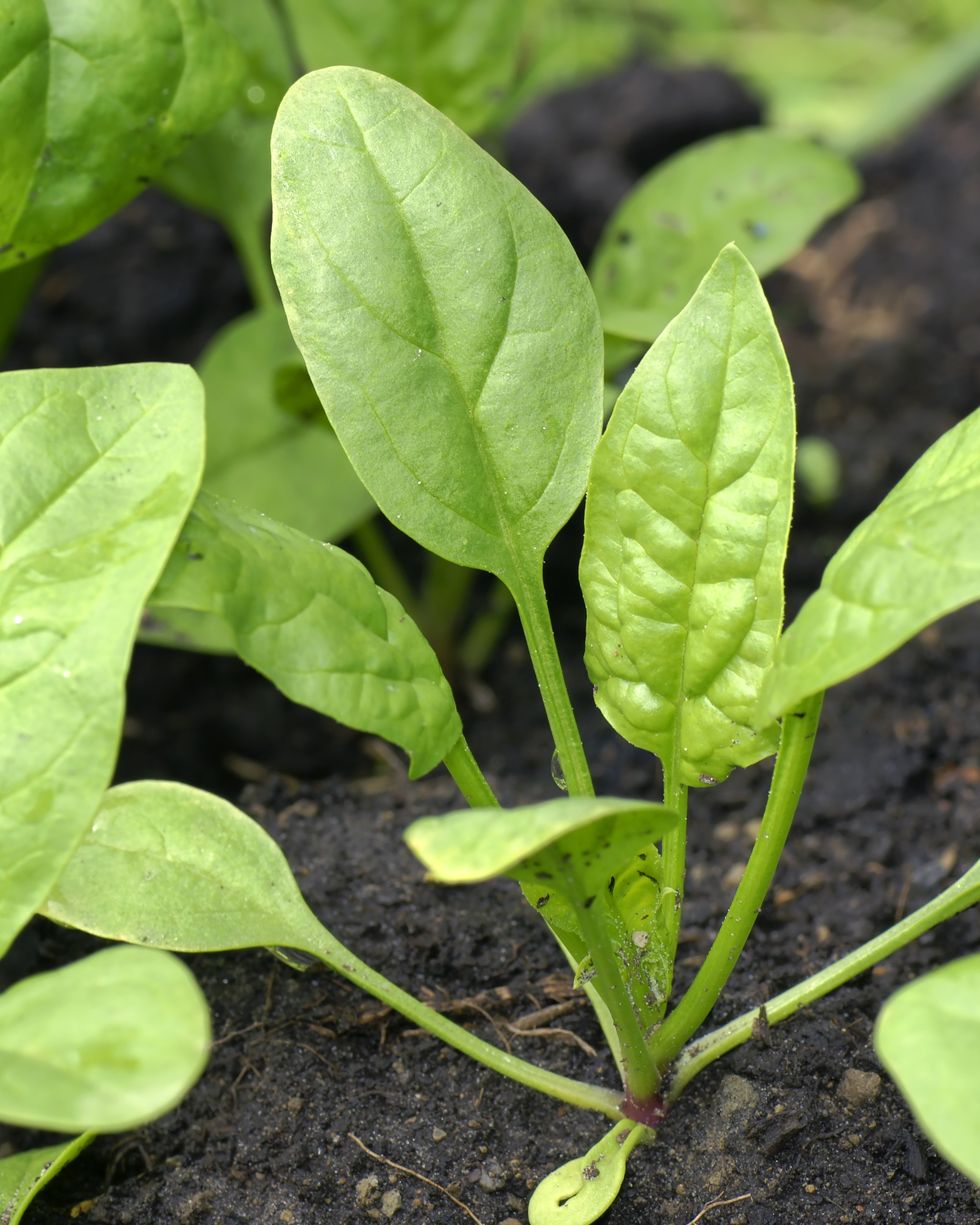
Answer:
(928, 1036)
(104, 1044)
(914, 559)
(310, 618)
(97, 470)
(95, 98)
(686, 524)
(447, 326)
(461, 57)
(172, 867)
(764, 190)
(261, 454)
(23, 1175)
(478, 843)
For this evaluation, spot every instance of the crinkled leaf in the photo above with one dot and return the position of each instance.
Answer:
(264, 455)
(104, 1044)
(928, 1036)
(914, 559)
(172, 867)
(95, 98)
(450, 332)
(686, 525)
(580, 1191)
(478, 843)
(309, 617)
(23, 1175)
(97, 470)
(764, 190)
(460, 56)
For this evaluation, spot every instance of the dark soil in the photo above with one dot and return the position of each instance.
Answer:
(882, 323)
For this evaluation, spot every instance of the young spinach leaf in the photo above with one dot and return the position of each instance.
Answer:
(104, 1044)
(96, 98)
(447, 326)
(912, 560)
(686, 523)
(23, 1175)
(461, 57)
(98, 468)
(927, 1036)
(309, 617)
(764, 190)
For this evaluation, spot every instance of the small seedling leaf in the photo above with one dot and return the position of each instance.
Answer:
(98, 468)
(96, 98)
(104, 1044)
(927, 1036)
(580, 1191)
(460, 56)
(478, 843)
(447, 326)
(309, 617)
(23, 1175)
(172, 867)
(686, 524)
(914, 559)
(764, 190)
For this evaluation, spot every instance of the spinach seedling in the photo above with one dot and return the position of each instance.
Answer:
(456, 345)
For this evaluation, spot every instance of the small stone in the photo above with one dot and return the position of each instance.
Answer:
(733, 876)
(438, 1134)
(366, 1191)
(726, 831)
(493, 1176)
(391, 1201)
(511, 1220)
(287, 1216)
(294, 1104)
(810, 1189)
(857, 1088)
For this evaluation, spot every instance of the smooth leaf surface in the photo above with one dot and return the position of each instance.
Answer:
(686, 523)
(580, 1191)
(98, 468)
(95, 98)
(451, 334)
(927, 1036)
(461, 57)
(309, 617)
(263, 455)
(764, 190)
(478, 843)
(172, 867)
(104, 1044)
(914, 559)
(23, 1175)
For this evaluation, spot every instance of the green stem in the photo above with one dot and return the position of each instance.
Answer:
(532, 605)
(379, 559)
(792, 762)
(252, 247)
(698, 1055)
(674, 847)
(585, 1096)
(486, 630)
(468, 776)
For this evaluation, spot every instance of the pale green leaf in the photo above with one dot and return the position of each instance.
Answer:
(914, 559)
(580, 1191)
(461, 57)
(97, 470)
(172, 867)
(309, 617)
(450, 332)
(95, 98)
(104, 1044)
(23, 1175)
(478, 843)
(686, 525)
(928, 1036)
(764, 190)
(264, 455)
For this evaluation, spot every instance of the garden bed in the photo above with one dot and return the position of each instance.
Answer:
(881, 324)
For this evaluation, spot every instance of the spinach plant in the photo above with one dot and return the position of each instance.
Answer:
(97, 470)
(456, 346)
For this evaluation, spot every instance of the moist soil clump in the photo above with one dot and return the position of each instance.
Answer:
(319, 1105)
